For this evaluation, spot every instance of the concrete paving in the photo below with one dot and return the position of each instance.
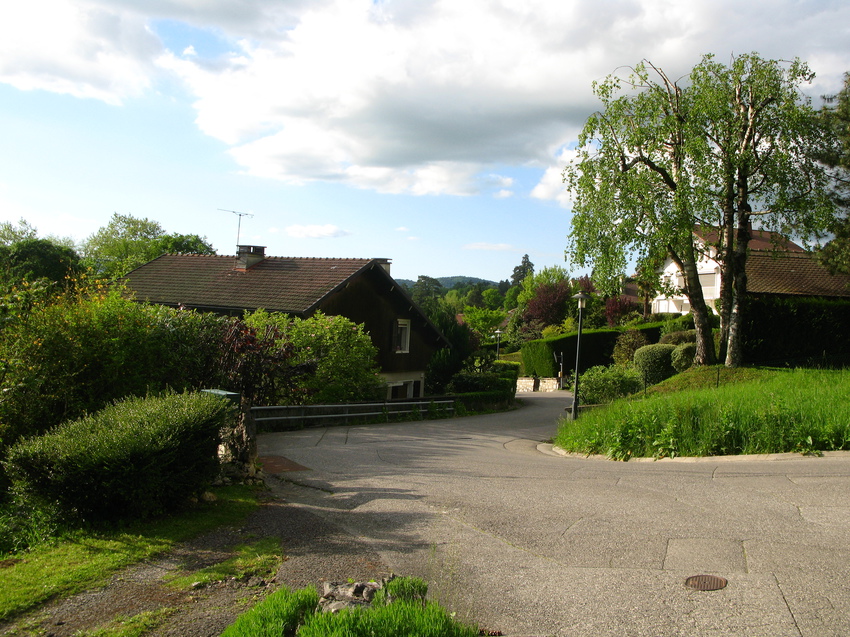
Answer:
(520, 539)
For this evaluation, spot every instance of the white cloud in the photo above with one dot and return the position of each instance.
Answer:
(497, 247)
(402, 229)
(327, 231)
(399, 96)
(551, 186)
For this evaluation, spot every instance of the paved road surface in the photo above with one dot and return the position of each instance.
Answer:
(529, 542)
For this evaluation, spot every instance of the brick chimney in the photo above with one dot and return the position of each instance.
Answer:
(249, 256)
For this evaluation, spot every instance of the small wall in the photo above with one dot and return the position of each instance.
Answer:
(527, 384)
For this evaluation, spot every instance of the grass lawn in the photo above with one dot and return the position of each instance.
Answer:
(82, 560)
(715, 411)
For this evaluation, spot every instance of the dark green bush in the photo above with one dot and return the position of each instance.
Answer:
(627, 344)
(679, 337)
(655, 363)
(463, 382)
(77, 353)
(796, 331)
(134, 459)
(683, 356)
(606, 384)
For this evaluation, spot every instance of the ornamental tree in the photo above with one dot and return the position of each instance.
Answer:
(664, 158)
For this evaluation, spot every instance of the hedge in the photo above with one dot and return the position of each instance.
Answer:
(779, 330)
(136, 458)
(597, 347)
(655, 362)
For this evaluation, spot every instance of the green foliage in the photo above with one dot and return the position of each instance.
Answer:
(341, 354)
(448, 361)
(799, 410)
(10, 233)
(522, 271)
(654, 362)
(606, 384)
(683, 356)
(75, 353)
(134, 459)
(654, 161)
(83, 560)
(679, 337)
(407, 589)
(399, 608)
(127, 242)
(482, 320)
(31, 259)
(538, 356)
(627, 344)
(797, 331)
(279, 615)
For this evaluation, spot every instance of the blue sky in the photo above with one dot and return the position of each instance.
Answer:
(430, 132)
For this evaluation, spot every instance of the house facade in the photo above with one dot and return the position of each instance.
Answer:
(775, 265)
(361, 290)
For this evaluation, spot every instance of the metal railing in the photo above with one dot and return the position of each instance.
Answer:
(284, 416)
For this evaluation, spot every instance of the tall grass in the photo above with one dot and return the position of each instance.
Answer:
(794, 410)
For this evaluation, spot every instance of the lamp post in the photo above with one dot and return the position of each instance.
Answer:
(498, 334)
(581, 299)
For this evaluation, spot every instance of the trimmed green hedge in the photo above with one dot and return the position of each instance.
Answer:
(597, 347)
(780, 330)
(134, 459)
(655, 362)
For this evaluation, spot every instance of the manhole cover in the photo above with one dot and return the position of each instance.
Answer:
(706, 582)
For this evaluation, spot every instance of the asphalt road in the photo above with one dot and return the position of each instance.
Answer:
(528, 542)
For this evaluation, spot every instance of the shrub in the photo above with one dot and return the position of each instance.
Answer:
(654, 362)
(606, 384)
(627, 344)
(346, 368)
(78, 352)
(679, 337)
(683, 356)
(134, 459)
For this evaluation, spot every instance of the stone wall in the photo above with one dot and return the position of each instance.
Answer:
(527, 384)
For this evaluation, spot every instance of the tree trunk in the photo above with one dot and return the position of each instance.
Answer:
(693, 290)
(734, 350)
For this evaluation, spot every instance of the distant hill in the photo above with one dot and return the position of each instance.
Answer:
(449, 282)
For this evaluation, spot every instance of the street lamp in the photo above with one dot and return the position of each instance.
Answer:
(498, 334)
(581, 299)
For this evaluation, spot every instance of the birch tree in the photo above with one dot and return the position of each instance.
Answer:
(666, 158)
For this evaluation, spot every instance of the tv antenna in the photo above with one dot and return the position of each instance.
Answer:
(239, 225)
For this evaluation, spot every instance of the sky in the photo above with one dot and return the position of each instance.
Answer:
(430, 132)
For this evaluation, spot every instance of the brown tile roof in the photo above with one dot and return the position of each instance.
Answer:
(293, 285)
(759, 240)
(798, 273)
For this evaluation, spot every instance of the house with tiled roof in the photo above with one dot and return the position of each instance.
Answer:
(775, 266)
(362, 290)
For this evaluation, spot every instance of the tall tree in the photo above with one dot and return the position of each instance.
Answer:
(426, 293)
(521, 271)
(32, 259)
(11, 233)
(835, 255)
(667, 159)
(127, 242)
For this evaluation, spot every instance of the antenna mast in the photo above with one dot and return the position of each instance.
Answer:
(239, 225)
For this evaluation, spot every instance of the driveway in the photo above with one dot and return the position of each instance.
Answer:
(523, 540)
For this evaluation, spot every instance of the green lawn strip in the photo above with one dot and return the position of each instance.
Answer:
(256, 559)
(84, 560)
(772, 412)
(132, 626)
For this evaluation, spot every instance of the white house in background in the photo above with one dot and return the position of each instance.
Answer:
(771, 258)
